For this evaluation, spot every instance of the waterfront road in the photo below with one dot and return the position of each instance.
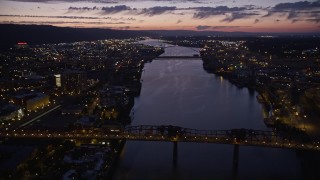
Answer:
(39, 116)
(27, 120)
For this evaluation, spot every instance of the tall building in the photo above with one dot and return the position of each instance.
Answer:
(37, 102)
(32, 101)
(10, 112)
(58, 80)
(73, 81)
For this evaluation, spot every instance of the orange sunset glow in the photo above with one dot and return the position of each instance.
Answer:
(199, 15)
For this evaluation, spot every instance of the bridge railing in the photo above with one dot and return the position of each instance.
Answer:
(173, 133)
(237, 134)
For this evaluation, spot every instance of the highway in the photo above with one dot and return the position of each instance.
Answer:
(39, 116)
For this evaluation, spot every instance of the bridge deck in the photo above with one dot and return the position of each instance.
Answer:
(175, 134)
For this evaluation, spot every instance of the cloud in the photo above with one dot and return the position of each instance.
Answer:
(295, 20)
(196, 1)
(293, 15)
(314, 20)
(68, 17)
(221, 27)
(151, 11)
(204, 27)
(297, 11)
(223, 8)
(115, 9)
(69, 20)
(231, 13)
(105, 10)
(157, 10)
(128, 19)
(236, 15)
(205, 12)
(64, 22)
(82, 8)
(47, 1)
(302, 5)
(124, 28)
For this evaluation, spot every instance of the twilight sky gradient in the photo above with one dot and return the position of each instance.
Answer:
(208, 15)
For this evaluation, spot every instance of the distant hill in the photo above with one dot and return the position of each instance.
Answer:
(225, 34)
(39, 34)
(10, 34)
(199, 33)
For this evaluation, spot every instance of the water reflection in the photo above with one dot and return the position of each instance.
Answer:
(181, 93)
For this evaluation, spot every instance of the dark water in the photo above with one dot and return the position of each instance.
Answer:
(181, 93)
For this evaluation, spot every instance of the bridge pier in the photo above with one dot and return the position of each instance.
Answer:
(175, 153)
(235, 160)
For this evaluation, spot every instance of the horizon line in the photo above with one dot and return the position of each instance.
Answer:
(172, 30)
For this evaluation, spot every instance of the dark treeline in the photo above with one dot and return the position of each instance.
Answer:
(40, 34)
(284, 46)
(10, 34)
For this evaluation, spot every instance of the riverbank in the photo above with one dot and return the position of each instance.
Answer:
(114, 160)
(125, 113)
(284, 81)
(279, 114)
(181, 93)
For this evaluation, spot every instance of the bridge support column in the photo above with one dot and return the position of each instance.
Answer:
(175, 153)
(235, 160)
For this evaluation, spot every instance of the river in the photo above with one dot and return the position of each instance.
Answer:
(181, 93)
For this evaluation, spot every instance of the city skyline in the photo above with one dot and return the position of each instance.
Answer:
(199, 15)
(159, 89)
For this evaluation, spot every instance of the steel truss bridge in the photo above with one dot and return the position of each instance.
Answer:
(246, 137)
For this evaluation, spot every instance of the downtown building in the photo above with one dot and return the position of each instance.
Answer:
(73, 82)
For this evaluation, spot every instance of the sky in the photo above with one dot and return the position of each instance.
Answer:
(199, 15)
